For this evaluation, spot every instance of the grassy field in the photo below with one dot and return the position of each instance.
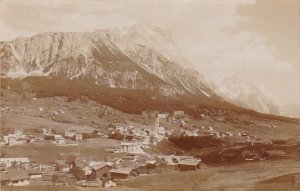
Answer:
(231, 178)
(289, 182)
(46, 152)
(27, 123)
(40, 188)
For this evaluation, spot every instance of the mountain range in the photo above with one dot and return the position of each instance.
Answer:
(140, 58)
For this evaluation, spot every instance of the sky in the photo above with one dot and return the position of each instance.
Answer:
(255, 41)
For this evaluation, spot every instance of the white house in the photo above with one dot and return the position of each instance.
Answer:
(159, 132)
(35, 175)
(78, 137)
(146, 140)
(161, 116)
(47, 132)
(179, 113)
(12, 140)
(7, 162)
(70, 132)
(110, 183)
(58, 139)
(130, 147)
(19, 133)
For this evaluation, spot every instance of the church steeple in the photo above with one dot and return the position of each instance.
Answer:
(157, 125)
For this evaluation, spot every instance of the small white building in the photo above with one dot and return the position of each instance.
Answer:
(146, 140)
(78, 137)
(110, 183)
(35, 175)
(70, 132)
(12, 141)
(47, 132)
(58, 139)
(19, 133)
(130, 147)
(159, 132)
(178, 113)
(161, 116)
(121, 129)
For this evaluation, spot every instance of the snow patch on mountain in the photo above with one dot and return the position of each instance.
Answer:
(245, 95)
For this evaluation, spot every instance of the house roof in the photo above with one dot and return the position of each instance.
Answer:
(17, 174)
(276, 152)
(151, 162)
(86, 168)
(99, 166)
(60, 162)
(190, 162)
(17, 159)
(121, 170)
(3, 176)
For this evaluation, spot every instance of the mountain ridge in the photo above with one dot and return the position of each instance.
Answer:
(134, 58)
(114, 58)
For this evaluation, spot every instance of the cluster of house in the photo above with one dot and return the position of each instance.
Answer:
(133, 165)
(61, 139)
(15, 138)
(18, 137)
(142, 137)
(18, 171)
(176, 118)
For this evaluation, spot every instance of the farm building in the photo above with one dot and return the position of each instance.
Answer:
(17, 177)
(58, 139)
(120, 173)
(189, 164)
(100, 171)
(78, 137)
(70, 132)
(3, 179)
(47, 132)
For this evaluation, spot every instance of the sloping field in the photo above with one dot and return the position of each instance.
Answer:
(15, 121)
(231, 178)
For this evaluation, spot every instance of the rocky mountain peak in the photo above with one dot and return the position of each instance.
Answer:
(136, 57)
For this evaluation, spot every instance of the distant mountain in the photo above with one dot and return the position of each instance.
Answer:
(133, 69)
(137, 57)
(245, 95)
(291, 110)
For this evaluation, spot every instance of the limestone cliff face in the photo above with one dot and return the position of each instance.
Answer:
(137, 57)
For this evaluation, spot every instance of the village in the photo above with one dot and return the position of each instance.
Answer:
(102, 147)
(135, 144)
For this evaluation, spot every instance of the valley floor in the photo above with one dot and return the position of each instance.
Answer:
(248, 176)
(252, 176)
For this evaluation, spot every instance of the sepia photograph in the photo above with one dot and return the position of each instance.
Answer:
(150, 95)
